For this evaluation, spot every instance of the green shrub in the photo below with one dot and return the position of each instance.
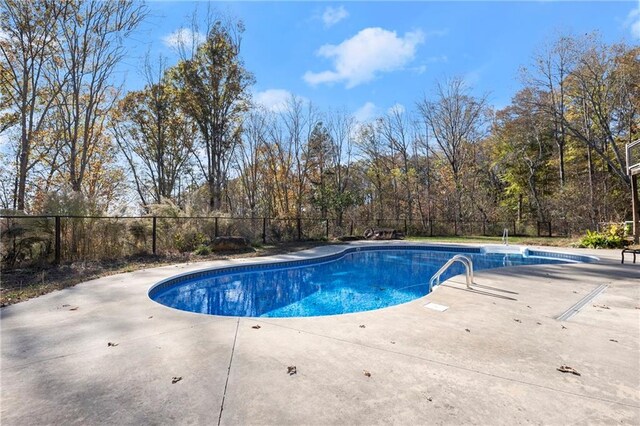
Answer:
(611, 237)
(202, 250)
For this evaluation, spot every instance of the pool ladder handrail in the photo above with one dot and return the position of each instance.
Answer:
(505, 236)
(465, 260)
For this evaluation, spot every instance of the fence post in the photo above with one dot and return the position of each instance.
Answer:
(430, 227)
(406, 230)
(327, 228)
(215, 225)
(154, 234)
(538, 223)
(57, 241)
(299, 226)
(351, 229)
(264, 230)
(549, 227)
(455, 227)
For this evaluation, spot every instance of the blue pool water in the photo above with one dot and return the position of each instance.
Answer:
(359, 279)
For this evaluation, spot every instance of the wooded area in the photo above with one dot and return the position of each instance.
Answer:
(193, 142)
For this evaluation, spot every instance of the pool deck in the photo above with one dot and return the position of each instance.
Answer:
(490, 358)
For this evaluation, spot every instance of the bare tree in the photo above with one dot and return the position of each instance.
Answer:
(395, 128)
(548, 75)
(455, 120)
(249, 155)
(29, 46)
(91, 47)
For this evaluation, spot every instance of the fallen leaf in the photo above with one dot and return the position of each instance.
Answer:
(75, 308)
(429, 399)
(363, 326)
(65, 306)
(291, 370)
(393, 343)
(257, 327)
(613, 340)
(567, 369)
(366, 373)
(112, 344)
(517, 320)
(564, 328)
(175, 380)
(467, 330)
(150, 317)
(528, 306)
(539, 323)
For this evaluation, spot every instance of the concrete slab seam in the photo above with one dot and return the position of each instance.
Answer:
(226, 383)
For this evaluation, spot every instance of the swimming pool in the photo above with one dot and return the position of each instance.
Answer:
(352, 280)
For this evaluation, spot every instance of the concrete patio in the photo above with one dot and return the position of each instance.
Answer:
(491, 358)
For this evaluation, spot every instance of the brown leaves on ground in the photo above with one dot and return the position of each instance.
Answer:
(111, 344)
(175, 379)
(366, 373)
(291, 370)
(257, 327)
(567, 369)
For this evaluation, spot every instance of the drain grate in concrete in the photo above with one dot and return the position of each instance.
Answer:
(576, 308)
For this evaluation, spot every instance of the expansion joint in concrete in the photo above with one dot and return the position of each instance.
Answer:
(226, 383)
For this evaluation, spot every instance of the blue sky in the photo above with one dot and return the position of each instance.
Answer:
(366, 57)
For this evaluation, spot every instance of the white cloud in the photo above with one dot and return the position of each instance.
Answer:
(183, 37)
(633, 22)
(362, 57)
(366, 113)
(275, 100)
(333, 15)
(396, 109)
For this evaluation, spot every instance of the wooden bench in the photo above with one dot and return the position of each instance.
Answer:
(632, 250)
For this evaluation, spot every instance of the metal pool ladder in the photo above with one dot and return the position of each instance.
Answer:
(465, 260)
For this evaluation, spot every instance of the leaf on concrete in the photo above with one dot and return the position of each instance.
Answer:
(75, 308)
(567, 369)
(257, 327)
(363, 326)
(366, 373)
(613, 340)
(517, 320)
(112, 344)
(175, 379)
(467, 330)
(291, 370)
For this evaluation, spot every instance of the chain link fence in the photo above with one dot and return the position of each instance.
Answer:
(42, 240)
